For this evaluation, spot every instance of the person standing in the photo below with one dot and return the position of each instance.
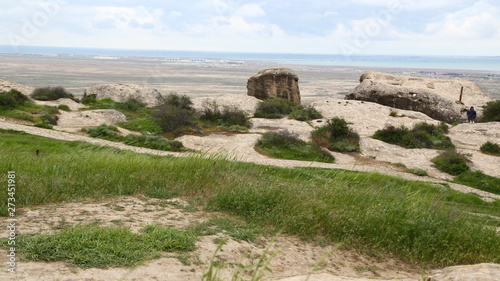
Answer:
(471, 115)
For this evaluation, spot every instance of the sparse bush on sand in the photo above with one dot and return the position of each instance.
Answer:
(337, 136)
(422, 135)
(490, 148)
(452, 162)
(284, 144)
(227, 116)
(279, 107)
(51, 93)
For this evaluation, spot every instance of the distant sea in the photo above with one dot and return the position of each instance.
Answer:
(475, 63)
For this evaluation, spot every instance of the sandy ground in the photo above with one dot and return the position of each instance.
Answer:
(322, 86)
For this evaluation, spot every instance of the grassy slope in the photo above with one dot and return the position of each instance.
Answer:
(414, 221)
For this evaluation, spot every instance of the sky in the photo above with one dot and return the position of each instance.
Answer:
(349, 27)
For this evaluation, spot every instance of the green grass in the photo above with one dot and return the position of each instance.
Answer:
(421, 223)
(285, 145)
(480, 181)
(89, 246)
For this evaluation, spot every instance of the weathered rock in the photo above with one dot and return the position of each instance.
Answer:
(275, 83)
(73, 105)
(436, 98)
(6, 86)
(245, 103)
(91, 118)
(478, 272)
(123, 92)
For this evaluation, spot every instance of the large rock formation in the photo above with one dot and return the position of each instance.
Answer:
(437, 98)
(123, 92)
(275, 83)
(478, 272)
(6, 86)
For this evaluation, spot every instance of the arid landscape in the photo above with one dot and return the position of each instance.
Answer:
(324, 87)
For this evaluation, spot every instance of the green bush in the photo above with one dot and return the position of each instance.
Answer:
(64, 107)
(44, 125)
(422, 135)
(286, 145)
(228, 116)
(51, 93)
(305, 113)
(12, 98)
(452, 162)
(154, 142)
(490, 148)
(274, 108)
(337, 136)
(491, 111)
(174, 114)
(89, 99)
(418, 172)
(107, 132)
(131, 104)
(143, 125)
(480, 181)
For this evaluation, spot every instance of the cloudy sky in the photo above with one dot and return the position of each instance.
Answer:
(393, 27)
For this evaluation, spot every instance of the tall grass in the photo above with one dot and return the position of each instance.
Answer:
(414, 221)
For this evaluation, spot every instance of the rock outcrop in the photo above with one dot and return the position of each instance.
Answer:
(91, 118)
(275, 83)
(6, 86)
(122, 92)
(436, 98)
(478, 272)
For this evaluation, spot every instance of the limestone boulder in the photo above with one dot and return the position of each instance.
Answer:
(123, 92)
(6, 86)
(477, 272)
(437, 98)
(275, 83)
(91, 118)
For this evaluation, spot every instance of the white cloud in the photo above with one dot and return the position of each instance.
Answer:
(125, 17)
(250, 10)
(479, 21)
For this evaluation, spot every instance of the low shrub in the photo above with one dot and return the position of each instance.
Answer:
(51, 93)
(228, 116)
(107, 132)
(286, 145)
(12, 99)
(490, 148)
(174, 114)
(422, 135)
(89, 99)
(337, 136)
(64, 107)
(491, 111)
(154, 142)
(452, 162)
(305, 113)
(274, 108)
(131, 104)
(418, 172)
(44, 125)
(480, 181)
(143, 125)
